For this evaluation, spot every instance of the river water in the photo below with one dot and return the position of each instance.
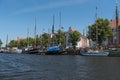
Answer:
(55, 67)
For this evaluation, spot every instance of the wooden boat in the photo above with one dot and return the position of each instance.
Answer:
(30, 50)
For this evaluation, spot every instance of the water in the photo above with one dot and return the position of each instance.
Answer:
(38, 67)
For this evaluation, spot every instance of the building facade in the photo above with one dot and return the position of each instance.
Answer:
(83, 43)
(112, 41)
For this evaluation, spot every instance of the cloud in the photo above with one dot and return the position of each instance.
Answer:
(50, 5)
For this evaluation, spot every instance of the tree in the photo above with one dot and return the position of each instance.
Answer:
(38, 40)
(23, 43)
(103, 29)
(1, 43)
(74, 37)
(60, 37)
(13, 43)
(46, 40)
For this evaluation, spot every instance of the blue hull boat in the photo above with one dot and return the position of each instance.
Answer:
(54, 50)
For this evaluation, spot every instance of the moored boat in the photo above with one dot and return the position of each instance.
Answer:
(30, 50)
(54, 50)
(95, 53)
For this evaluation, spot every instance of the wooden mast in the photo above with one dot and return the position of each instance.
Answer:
(27, 37)
(117, 31)
(53, 31)
(18, 42)
(7, 42)
(96, 29)
(89, 36)
(60, 20)
(53, 25)
(35, 34)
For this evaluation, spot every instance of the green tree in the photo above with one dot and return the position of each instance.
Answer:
(13, 43)
(60, 37)
(103, 29)
(46, 39)
(23, 43)
(38, 41)
(31, 41)
(74, 37)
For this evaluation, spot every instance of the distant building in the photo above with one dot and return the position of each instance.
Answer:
(83, 43)
(19, 39)
(112, 40)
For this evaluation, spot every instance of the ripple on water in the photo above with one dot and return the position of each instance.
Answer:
(37, 67)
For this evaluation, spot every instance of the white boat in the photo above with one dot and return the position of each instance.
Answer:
(16, 50)
(95, 53)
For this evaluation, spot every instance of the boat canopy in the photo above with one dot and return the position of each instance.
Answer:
(53, 48)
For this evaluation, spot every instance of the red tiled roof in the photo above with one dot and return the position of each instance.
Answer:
(19, 39)
(113, 23)
(72, 29)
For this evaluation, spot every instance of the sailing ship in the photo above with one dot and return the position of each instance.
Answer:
(95, 52)
(54, 50)
(31, 49)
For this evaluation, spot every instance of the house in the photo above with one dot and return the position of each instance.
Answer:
(83, 43)
(112, 40)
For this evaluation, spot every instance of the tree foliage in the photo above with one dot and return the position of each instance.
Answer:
(38, 40)
(74, 37)
(103, 29)
(60, 37)
(13, 43)
(45, 39)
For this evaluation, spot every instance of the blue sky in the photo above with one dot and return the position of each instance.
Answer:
(17, 15)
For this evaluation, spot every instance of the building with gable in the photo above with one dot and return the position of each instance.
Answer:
(83, 43)
(112, 40)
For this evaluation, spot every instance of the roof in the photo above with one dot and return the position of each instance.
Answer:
(71, 29)
(113, 23)
(19, 39)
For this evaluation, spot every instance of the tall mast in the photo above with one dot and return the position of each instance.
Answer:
(35, 35)
(27, 37)
(53, 25)
(89, 36)
(60, 20)
(83, 32)
(117, 32)
(53, 31)
(7, 41)
(17, 42)
(96, 27)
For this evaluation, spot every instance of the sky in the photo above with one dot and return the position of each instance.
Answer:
(18, 15)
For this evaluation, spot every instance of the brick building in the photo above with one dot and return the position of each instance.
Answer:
(112, 40)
